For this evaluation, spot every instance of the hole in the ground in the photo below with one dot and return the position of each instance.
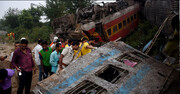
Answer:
(112, 74)
(87, 87)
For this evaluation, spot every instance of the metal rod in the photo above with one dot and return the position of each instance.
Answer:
(93, 88)
(118, 76)
(85, 88)
(80, 86)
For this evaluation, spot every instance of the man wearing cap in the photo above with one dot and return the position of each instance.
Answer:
(23, 38)
(54, 42)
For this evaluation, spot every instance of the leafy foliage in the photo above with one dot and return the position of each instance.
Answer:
(26, 19)
(11, 18)
(58, 8)
(40, 33)
(26, 23)
(36, 14)
(144, 33)
(54, 9)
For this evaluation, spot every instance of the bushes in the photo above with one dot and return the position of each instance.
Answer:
(143, 34)
(25, 23)
(40, 33)
(33, 34)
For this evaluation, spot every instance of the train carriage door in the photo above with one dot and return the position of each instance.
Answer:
(99, 29)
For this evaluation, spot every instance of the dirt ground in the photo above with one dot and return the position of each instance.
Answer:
(6, 49)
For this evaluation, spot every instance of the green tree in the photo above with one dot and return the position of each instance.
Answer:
(54, 9)
(26, 19)
(11, 18)
(36, 13)
(20, 32)
(58, 8)
(40, 33)
(2, 24)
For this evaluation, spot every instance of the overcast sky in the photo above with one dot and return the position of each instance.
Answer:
(25, 4)
(19, 4)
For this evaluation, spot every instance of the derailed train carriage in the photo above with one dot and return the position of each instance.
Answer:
(118, 24)
(107, 23)
(114, 68)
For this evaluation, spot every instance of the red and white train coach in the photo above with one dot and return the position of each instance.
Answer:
(113, 26)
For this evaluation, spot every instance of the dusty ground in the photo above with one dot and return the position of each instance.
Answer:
(6, 49)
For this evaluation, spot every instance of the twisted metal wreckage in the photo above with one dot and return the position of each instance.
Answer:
(93, 20)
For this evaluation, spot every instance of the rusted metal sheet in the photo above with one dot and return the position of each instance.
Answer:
(114, 68)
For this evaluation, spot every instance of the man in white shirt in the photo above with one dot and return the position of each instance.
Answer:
(36, 51)
(16, 46)
(52, 45)
(67, 55)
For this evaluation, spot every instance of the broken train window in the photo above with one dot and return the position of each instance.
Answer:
(128, 60)
(87, 87)
(112, 73)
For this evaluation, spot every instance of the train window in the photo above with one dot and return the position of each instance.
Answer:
(128, 60)
(124, 22)
(132, 18)
(128, 20)
(87, 87)
(120, 25)
(109, 31)
(112, 73)
(115, 28)
(135, 16)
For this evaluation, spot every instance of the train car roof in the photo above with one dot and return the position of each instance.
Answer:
(113, 68)
(109, 18)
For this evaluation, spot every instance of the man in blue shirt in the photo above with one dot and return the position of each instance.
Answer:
(54, 58)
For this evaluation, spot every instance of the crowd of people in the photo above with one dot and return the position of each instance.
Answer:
(49, 59)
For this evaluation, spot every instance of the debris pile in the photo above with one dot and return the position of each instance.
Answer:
(67, 24)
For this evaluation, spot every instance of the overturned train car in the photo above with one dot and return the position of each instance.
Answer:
(115, 25)
(107, 23)
(114, 68)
